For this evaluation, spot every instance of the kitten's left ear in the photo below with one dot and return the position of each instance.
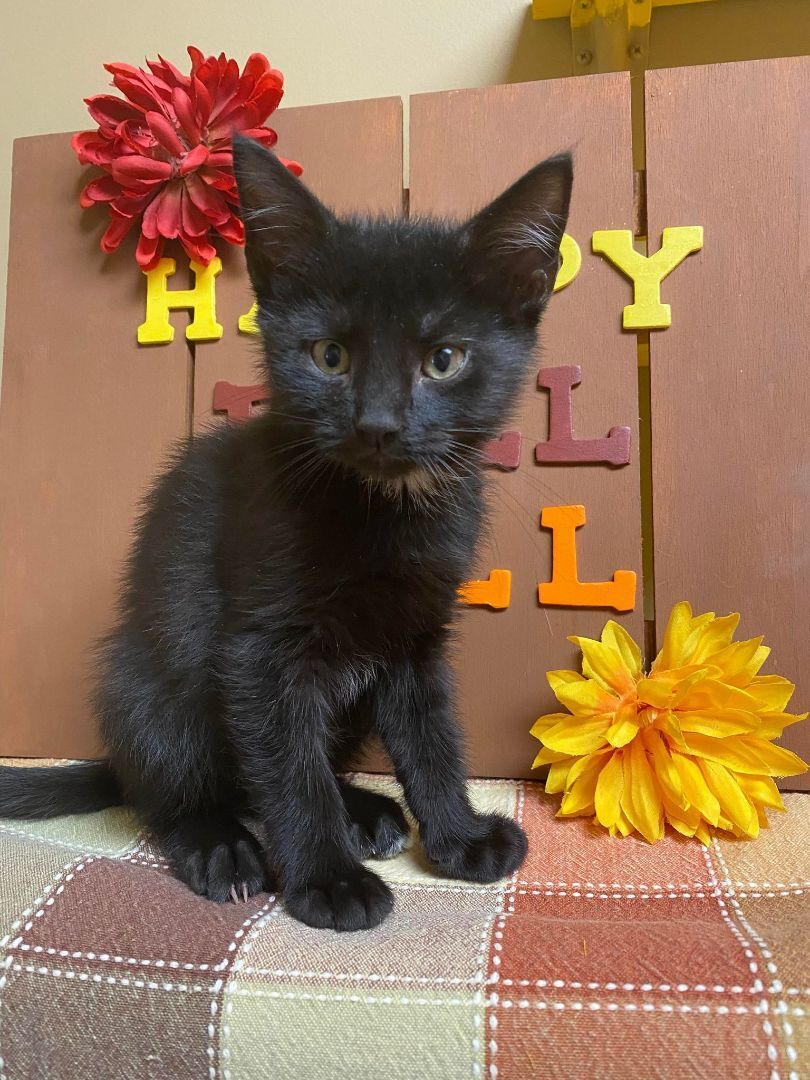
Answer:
(514, 242)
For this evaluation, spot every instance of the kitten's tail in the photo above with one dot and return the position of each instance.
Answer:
(61, 789)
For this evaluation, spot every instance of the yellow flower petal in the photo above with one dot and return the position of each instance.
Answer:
(771, 693)
(772, 725)
(761, 790)
(558, 775)
(578, 800)
(586, 698)
(641, 800)
(685, 820)
(703, 834)
(549, 757)
(712, 694)
(667, 722)
(608, 794)
(678, 629)
(695, 788)
(578, 734)
(711, 637)
(545, 722)
(604, 665)
(731, 797)
(615, 635)
(741, 660)
(667, 775)
(720, 723)
(746, 754)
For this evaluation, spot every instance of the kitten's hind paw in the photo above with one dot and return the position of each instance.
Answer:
(354, 899)
(379, 828)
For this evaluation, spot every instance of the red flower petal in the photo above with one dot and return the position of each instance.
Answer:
(102, 189)
(194, 159)
(193, 222)
(185, 112)
(293, 166)
(90, 150)
(168, 210)
(197, 58)
(202, 100)
(209, 201)
(232, 230)
(149, 252)
(106, 109)
(217, 178)
(199, 249)
(115, 232)
(266, 136)
(137, 167)
(164, 133)
(139, 90)
(256, 65)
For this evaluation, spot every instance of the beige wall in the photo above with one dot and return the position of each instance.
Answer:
(332, 50)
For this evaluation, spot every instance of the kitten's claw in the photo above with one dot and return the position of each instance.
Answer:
(233, 895)
(244, 891)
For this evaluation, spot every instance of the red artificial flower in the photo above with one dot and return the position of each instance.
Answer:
(165, 149)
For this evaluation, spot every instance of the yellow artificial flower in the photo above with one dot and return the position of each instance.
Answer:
(690, 743)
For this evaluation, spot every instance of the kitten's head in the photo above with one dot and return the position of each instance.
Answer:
(397, 347)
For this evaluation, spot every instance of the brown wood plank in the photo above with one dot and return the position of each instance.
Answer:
(465, 147)
(728, 147)
(352, 157)
(86, 417)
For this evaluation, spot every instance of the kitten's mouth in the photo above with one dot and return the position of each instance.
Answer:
(383, 468)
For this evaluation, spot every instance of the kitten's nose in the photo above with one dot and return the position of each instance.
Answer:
(377, 430)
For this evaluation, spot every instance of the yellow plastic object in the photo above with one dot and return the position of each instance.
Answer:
(495, 592)
(156, 329)
(688, 744)
(247, 323)
(565, 589)
(571, 262)
(647, 272)
(564, 9)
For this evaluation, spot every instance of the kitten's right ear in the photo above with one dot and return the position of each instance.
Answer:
(283, 219)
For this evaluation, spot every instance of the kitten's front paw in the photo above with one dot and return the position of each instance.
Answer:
(494, 849)
(354, 899)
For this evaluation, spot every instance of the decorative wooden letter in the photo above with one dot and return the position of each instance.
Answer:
(565, 589)
(571, 262)
(504, 453)
(561, 445)
(647, 272)
(156, 328)
(237, 401)
(247, 323)
(494, 592)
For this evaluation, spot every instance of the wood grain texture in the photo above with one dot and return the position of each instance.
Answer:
(465, 147)
(86, 418)
(352, 157)
(728, 147)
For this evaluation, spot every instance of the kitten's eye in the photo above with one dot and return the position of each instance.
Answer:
(331, 357)
(444, 362)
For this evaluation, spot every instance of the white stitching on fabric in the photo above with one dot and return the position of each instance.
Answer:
(753, 966)
(112, 980)
(767, 956)
(252, 924)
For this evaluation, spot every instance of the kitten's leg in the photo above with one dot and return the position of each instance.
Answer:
(379, 829)
(281, 727)
(215, 856)
(414, 718)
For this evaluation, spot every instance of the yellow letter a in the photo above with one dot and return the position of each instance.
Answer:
(156, 328)
(647, 312)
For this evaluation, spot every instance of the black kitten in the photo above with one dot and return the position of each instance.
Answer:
(292, 586)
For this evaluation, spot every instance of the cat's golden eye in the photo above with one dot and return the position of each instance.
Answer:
(444, 362)
(331, 357)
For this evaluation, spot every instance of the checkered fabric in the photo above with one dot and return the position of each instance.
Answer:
(605, 958)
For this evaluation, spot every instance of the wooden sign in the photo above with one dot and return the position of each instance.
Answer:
(104, 376)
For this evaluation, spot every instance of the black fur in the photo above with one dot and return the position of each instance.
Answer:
(292, 586)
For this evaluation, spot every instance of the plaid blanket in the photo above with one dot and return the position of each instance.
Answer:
(604, 958)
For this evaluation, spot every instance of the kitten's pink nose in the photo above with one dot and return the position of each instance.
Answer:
(378, 432)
